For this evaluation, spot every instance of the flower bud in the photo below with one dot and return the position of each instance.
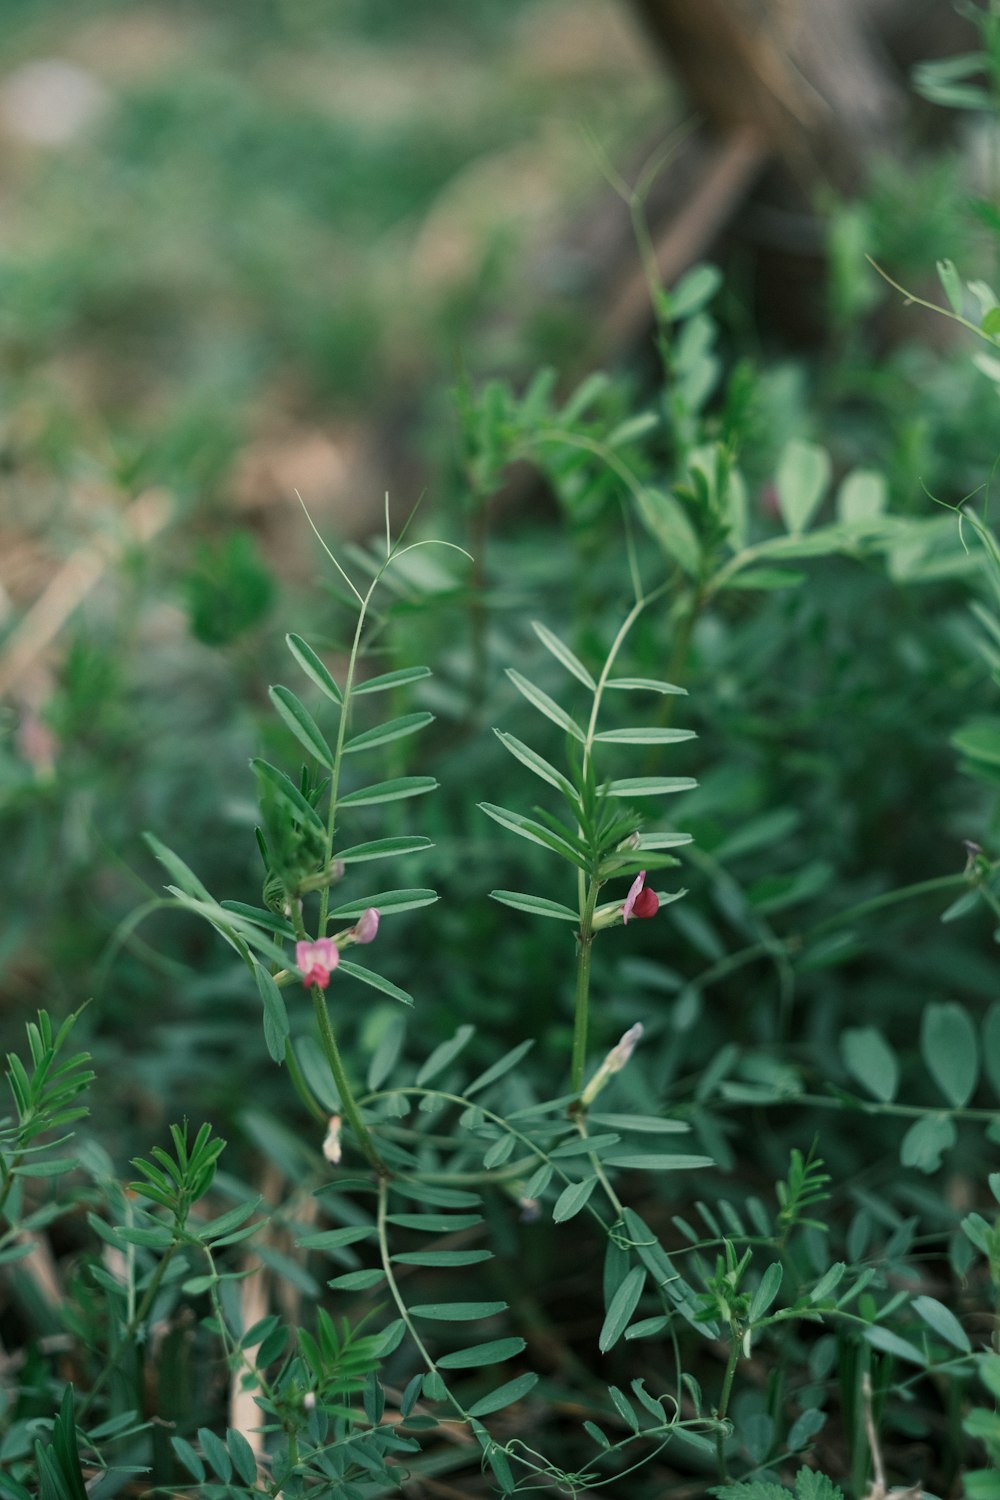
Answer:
(366, 926)
(331, 1145)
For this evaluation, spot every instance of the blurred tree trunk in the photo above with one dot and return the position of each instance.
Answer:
(822, 82)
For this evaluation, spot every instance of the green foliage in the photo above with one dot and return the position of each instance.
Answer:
(229, 592)
(327, 1304)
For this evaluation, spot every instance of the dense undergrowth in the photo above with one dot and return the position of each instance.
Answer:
(409, 1143)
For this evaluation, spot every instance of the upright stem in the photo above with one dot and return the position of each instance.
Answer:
(348, 1104)
(584, 946)
(723, 1407)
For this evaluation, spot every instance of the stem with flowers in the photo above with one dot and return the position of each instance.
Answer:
(604, 841)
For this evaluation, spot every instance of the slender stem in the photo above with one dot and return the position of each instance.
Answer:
(584, 947)
(300, 1086)
(397, 1296)
(128, 1335)
(723, 1407)
(332, 1054)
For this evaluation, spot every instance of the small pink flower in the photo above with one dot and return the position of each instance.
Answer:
(640, 901)
(366, 926)
(317, 961)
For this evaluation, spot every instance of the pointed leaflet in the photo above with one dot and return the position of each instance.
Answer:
(388, 680)
(276, 1028)
(645, 736)
(478, 1355)
(943, 1321)
(175, 866)
(313, 667)
(386, 901)
(395, 729)
(623, 1305)
(389, 791)
(546, 705)
(504, 1395)
(644, 684)
(536, 763)
(572, 1199)
(382, 848)
(498, 1069)
(302, 724)
(442, 1259)
(649, 786)
(377, 982)
(535, 832)
(288, 792)
(445, 1054)
(458, 1312)
(770, 1285)
(538, 906)
(563, 654)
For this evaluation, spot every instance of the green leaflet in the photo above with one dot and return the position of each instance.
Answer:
(387, 680)
(869, 1058)
(644, 684)
(314, 668)
(504, 1395)
(445, 1054)
(537, 763)
(383, 849)
(498, 1069)
(186, 879)
(389, 791)
(382, 734)
(802, 480)
(457, 1312)
(563, 654)
(536, 833)
(289, 793)
(950, 1049)
(376, 981)
(649, 786)
(386, 901)
(623, 1305)
(302, 724)
(539, 906)
(276, 1027)
(478, 1355)
(645, 736)
(572, 1199)
(442, 1259)
(546, 705)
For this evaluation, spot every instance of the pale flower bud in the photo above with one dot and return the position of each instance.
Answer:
(620, 1054)
(331, 1145)
(613, 1063)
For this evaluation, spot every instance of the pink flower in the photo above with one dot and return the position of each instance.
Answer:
(640, 901)
(366, 926)
(317, 961)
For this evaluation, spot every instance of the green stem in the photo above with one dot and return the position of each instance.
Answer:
(300, 1086)
(584, 947)
(131, 1328)
(723, 1407)
(347, 1101)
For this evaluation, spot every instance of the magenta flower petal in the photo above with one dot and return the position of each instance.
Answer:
(633, 895)
(640, 901)
(316, 961)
